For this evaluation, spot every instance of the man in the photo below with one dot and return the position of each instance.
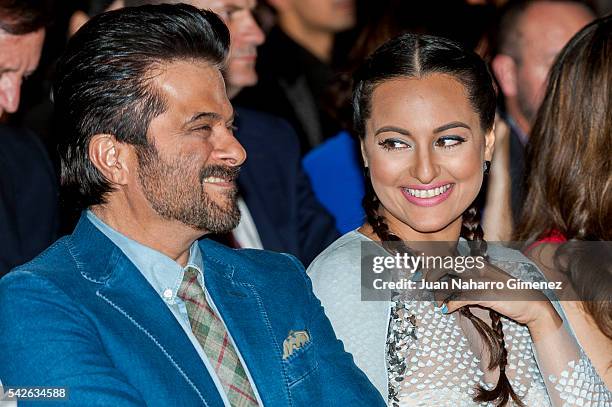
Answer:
(295, 65)
(279, 209)
(530, 35)
(28, 192)
(131, 309)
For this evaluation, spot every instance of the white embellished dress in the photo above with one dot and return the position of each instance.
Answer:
(444, 356)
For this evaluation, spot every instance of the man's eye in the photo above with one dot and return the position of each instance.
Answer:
(393, 144)
(227, 14)
(203, 128)
(449, 141)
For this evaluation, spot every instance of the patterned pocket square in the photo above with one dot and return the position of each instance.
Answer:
(294, 341)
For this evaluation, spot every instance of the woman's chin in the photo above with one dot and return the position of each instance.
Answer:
(428, 227)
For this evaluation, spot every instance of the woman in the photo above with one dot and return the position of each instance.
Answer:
(570, 146)
(424, 111)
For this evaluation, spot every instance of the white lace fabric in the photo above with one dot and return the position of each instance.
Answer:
(448, 360)
(445, 367)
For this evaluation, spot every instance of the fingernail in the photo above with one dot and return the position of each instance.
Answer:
(443, 309)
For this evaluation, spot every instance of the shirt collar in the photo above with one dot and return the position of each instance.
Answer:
(164, 274)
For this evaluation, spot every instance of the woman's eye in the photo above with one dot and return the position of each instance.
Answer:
(449, 141)
(393, 144)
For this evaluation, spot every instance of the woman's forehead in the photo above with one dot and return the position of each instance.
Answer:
(431, 100)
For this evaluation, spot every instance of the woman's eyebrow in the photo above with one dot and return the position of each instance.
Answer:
(393, 129)
(451, 125)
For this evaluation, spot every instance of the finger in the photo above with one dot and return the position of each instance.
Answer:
(443, 296)
(433, 274)
(459, 299)
(452, 306)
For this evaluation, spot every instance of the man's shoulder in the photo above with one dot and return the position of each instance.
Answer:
(246, 257)
(254, 266)
(51, 263)
(266, 136)
(23, 157)
(20, 144)
(54, 270)
(264, 125)
(344, 250)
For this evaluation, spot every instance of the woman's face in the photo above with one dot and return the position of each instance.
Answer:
(425, 149)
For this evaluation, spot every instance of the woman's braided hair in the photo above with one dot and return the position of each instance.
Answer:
(414, 56)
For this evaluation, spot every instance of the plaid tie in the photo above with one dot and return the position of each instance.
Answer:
(212, 336)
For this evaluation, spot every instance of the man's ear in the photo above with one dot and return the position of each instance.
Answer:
(505, 70)
(110, 157)
(76, 21)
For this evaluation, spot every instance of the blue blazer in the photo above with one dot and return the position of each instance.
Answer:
(81, 316)
(277, 191)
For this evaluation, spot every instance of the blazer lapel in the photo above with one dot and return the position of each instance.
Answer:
(130, 297)
(128, 292)
(240, 307)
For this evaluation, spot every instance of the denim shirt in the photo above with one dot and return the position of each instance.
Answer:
(165, 276)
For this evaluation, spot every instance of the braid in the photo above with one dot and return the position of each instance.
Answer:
(472, 232)
(492, 335)
(377, 222)
(503, 390)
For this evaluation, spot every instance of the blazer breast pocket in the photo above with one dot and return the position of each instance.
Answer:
(299, 356)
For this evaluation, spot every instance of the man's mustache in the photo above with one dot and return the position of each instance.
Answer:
(220, 171)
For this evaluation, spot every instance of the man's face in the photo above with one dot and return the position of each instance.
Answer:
(325, 15)
(188, 171)
(246, 37)
(19, 56)
(545, 29)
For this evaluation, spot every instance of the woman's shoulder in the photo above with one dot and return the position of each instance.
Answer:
(342, 253)
(498, 252)
(519, 266)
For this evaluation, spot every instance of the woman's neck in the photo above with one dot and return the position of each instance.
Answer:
(450, 233)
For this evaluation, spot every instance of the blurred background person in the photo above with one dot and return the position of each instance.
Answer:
(28, 185)
(39, 113)
(295, 65)
(527, 37)
(569, 185)
(88, 9)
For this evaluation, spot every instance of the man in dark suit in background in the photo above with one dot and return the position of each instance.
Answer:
(28, 190)
(296, 65)
(279, 209)
(530, 34)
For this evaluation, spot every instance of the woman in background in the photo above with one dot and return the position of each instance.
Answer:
(570, 187)
(424, 112)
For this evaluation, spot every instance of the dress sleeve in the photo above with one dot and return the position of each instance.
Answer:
(569, 376)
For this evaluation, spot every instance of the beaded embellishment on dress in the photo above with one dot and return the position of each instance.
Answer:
(401, 337)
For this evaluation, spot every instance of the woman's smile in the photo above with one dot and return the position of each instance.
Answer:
(427, 195)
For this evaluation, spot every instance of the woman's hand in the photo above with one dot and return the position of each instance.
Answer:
(526, 306)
